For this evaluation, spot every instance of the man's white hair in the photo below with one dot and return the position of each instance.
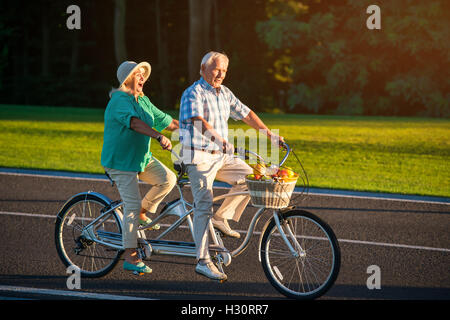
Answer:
(210, 57)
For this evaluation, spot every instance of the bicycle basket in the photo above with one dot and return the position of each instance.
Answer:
(271, 193)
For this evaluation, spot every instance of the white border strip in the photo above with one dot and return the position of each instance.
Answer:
(323, 193)
(396, 245)
(383, 244)
(66, 293)
(56, 176)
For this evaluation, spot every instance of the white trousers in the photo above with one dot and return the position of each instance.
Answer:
(162, 181)
(223, 167)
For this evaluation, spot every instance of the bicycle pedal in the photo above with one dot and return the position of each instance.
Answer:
(137, 273)
(221, 234)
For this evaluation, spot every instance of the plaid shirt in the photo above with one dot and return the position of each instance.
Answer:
(201, 99)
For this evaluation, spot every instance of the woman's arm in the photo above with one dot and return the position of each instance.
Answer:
(141, 127)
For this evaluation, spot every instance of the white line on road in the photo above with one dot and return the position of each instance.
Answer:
(66, 293)
(314, 192)
(384, 244)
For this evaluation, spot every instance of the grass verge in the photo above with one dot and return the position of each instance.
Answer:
(378, 154)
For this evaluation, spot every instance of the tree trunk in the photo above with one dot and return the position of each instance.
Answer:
(74, 57)
(119, 31)
(163, 63)
(217, 43)
(199, 20)
(45, 61)
(206, 24)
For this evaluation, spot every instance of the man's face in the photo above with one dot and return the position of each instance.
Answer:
(215, 73)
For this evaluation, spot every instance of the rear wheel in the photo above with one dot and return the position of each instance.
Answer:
(314, 267)
(77, 249)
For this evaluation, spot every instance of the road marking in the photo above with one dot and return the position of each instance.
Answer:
(384, 244)
(312, 191)
(65, 293)
(55, 175)
(34, 215)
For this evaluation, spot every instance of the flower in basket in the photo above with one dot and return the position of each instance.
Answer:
(259, 169)
(286, 174)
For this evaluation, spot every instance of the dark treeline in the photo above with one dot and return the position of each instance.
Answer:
(288, 56)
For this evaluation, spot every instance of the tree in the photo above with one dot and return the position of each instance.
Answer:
(163, 62)
(119, 31)
(199, 27)
(329, 61)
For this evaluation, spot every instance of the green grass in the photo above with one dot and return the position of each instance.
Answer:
(399, 155)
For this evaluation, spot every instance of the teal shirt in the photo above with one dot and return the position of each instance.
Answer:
(123, 148)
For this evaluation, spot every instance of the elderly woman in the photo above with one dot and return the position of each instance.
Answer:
(131, 122)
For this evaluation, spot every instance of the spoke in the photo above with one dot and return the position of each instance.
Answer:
(308, 272)
(92, 257)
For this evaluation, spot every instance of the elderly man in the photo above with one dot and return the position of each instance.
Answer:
(204, 112)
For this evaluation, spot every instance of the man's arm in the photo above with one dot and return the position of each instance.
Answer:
(224, 145)
(255, 122)
(173, 125)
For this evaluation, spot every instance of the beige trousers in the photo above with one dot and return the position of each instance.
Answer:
(162, 181)
(223, 167)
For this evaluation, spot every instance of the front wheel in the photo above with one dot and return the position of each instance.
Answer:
(313, 268)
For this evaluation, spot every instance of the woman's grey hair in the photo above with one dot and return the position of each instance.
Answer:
(210, 57)
(123, 88)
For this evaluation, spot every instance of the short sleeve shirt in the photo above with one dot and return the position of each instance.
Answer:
(123, 148)
(216, 107)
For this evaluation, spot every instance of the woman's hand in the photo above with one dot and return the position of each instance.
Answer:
(164, 142)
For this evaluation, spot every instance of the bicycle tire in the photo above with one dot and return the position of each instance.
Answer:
(291, 275)
(93, 260)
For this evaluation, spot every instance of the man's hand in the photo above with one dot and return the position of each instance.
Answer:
(278, 140)
(227, 147)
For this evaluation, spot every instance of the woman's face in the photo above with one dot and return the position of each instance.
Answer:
(136, 81)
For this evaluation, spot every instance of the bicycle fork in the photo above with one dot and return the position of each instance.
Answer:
(291, 242)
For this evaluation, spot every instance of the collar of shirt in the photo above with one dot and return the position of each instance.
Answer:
(126, 94)
(205, 85)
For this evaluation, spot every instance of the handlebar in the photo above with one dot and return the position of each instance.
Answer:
(246, 152)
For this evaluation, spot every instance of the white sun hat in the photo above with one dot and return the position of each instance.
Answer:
(128, 67)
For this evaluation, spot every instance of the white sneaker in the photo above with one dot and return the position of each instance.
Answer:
(225, 228)
(210, 270)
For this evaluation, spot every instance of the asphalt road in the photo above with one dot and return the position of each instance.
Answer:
(408, 240)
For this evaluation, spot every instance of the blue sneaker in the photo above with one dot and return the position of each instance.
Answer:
(139, 268)
(147, 222)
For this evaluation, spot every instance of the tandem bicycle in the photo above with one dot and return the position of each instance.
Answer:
(298, 251)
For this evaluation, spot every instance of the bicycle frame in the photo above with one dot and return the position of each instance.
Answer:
(183, 210)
